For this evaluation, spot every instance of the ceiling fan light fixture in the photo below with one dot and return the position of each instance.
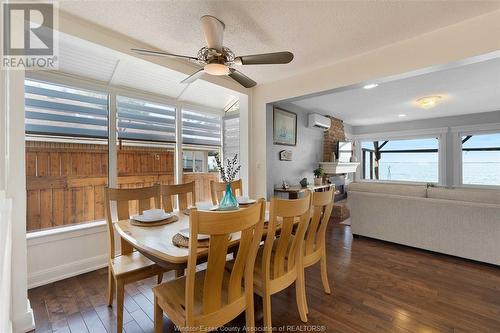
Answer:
(216, 69)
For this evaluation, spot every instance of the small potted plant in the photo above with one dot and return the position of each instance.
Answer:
(318, 176)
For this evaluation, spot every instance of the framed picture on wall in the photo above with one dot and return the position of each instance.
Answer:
(284, 127)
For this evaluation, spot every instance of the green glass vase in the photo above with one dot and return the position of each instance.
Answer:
(229, 201)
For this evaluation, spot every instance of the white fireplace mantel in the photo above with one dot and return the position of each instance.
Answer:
(335, 168)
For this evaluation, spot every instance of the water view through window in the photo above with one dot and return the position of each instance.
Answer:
(401, 160)
(481, 159)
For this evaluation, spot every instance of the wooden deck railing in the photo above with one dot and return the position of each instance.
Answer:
(65, 181)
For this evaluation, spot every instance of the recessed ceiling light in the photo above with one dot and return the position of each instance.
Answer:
(428, 102)
(402, 115)
(370, 86)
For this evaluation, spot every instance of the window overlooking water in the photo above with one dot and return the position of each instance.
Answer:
(414, 160)
(481, 159)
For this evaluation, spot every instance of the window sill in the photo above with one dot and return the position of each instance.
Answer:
(78, 230)
(479, 187)
(401, 182)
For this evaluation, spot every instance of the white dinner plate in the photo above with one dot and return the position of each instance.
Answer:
(211, 208)
(185, 233)
(245, 202)
(150, 219)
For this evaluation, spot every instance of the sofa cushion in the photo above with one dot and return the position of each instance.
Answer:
(465, 194)
(397, 189)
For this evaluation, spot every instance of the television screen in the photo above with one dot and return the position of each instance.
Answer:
(344, 151)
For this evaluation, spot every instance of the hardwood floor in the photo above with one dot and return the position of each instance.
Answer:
(377, 287)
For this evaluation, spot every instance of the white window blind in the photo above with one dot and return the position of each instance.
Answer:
(59, 110)
(201, 128)
(231, 132)
(144, 120)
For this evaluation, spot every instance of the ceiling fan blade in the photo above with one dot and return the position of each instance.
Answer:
(241, 78)
(265, 58)
(213, 28)
(162, 54)
(193, 77)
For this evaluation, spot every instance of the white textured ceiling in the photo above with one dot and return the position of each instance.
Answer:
(89, 60)
(467, 89)
(317, 32)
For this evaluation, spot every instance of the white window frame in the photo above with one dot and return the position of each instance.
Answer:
(439, 133)
(113, 92)
(457, 133)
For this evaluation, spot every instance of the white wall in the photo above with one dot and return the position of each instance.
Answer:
(460, 41)
(306, 154)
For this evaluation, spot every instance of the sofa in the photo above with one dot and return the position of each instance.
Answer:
(457, 221)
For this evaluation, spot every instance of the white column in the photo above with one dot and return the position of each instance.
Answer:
(21, 312)
(245, 143)
(178, 143)
(112, 142)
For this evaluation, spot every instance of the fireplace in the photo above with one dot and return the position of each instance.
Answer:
(340, 188)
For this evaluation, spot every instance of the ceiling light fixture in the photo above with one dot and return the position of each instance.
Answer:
(402, 115)
(370, 86)
(428, 102)
(216, 69)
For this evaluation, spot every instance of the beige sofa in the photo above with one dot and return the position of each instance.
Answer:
(460, 222)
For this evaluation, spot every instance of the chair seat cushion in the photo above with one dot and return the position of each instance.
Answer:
(128, 263)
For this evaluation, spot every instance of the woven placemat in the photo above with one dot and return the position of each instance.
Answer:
(181, 241)
(171, 219)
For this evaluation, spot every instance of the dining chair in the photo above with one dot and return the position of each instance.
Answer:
(129, 266)
(279, 263)
(215, 296)
(217, 189)
(168, 193)
(315, 242)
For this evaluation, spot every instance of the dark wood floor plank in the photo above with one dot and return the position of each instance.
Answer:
(77, 324)
(377, 287)
(92, 321)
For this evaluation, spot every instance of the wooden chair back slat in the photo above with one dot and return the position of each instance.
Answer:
(220, 226)
(148, 197)
(282, 249)
(234, 289)
(322, 205)
(212, 289)
(217, 189)
(182, 191)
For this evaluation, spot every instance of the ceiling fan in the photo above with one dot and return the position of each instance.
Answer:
(217, 59)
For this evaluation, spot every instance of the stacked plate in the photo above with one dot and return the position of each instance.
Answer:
(245, 200)
(152, 215)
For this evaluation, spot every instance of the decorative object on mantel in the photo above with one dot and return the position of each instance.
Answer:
(318, 176)
(303, 182)
(227, 174)
(284, 127)
(285, 155)
(284, 184)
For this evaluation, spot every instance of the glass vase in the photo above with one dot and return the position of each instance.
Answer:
(229, 201)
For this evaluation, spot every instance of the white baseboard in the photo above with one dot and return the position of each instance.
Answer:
(65, 271)
(25, 322)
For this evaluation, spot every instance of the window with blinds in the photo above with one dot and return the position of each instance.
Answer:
(59, 110)
(201, 128)
(231, 132)
(145, 121)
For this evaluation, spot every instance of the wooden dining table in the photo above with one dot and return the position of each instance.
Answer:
(156, 242)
